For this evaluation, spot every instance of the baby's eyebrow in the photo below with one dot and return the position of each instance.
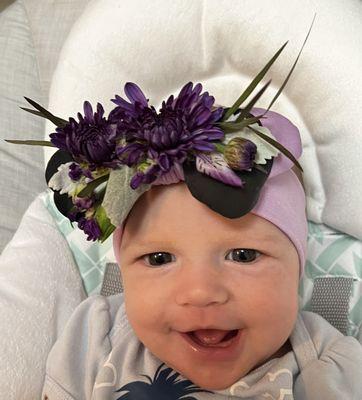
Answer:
(150, 242)
(246, 238)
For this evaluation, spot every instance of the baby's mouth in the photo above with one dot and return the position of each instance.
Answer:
(214, 345)
(212, 337)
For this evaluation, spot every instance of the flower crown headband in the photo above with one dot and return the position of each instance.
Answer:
(104, 165)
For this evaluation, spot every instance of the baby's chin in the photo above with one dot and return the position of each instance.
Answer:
(220, 381)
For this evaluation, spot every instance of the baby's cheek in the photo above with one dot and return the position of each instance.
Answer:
(273, 316)
(141, 306)
(271, 298)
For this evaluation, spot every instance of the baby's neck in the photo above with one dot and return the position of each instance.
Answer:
(286, 348)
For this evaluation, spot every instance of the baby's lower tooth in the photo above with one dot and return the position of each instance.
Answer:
(209, 336)
(219, 344)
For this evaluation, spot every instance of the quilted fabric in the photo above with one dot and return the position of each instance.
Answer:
(21, 170)
(31, 35)
(39, 289)
(223, 47)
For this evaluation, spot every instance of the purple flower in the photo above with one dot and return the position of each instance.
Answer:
(240, 154)
(75, 172)
(78, 214)
(90, 228)
(184, 125)
(83, 203)
(91, 140)
(75, 216)
(147, 176)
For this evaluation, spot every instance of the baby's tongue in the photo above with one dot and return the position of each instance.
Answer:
(210, 336)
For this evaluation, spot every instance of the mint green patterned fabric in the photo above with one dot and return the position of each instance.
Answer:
(330, 253)
(90, 257)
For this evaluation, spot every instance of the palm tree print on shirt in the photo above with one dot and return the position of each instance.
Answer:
(162, 387)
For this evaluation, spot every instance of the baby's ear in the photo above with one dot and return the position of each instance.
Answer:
(286, 133)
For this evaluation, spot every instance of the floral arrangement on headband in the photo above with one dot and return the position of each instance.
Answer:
(104, 164)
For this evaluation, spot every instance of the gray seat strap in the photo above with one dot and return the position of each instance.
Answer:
(112, 280)
(330, 299)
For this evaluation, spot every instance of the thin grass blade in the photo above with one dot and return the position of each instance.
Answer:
(46, 114)
(292, 69)
(31, 142)
(252, 85)
(35, 112)
(245, 112)
(279, 146)
(229, 127)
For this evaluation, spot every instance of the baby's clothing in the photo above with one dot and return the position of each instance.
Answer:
(99, 357)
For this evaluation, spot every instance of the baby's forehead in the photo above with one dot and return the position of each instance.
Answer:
(172, 212)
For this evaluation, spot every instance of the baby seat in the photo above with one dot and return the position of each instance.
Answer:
(222, 47)
(208, 52)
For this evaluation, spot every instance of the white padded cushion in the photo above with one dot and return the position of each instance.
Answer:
(162, 45)
(31, 36)
(21, 169)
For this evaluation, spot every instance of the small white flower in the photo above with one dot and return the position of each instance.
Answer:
(264, 149)
(62, 181)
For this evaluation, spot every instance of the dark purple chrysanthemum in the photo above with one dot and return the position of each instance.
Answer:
(240, 153)
(183, 125)
(91, 140)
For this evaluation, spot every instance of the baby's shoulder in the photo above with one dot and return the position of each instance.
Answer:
(323, 335)
(109, 310)
(319, 329)
(330, 363)
(84, 345)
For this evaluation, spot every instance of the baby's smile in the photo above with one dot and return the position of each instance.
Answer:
(213, 345)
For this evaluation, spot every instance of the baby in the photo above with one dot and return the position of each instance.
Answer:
(210, 234)
(209, 310)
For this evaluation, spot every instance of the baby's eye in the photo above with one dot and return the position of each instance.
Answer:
(242, 255)
(159, 258)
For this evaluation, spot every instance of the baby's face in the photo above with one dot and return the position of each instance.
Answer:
(201, 276)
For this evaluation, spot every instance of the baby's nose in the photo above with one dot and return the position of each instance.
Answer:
(200, 286)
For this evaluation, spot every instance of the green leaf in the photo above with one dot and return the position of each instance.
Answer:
(104, 223)
(45, 113)
(31, 142)
(246, 111)
(107, 233)
(279, 146)
(219, 147)
(120, 197)
(88, 190)
(229, 127)
(292, 69)
(252, 85)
